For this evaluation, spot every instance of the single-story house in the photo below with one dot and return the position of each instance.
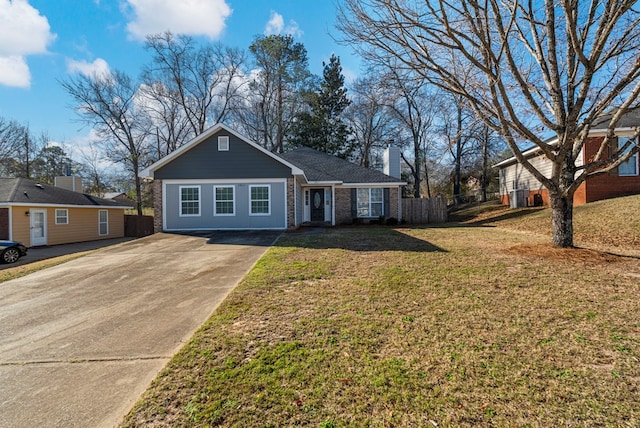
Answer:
(39, 214)
(519, 188)
(222, 180)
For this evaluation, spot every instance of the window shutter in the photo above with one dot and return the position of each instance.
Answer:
(387, 210)
(354, 203)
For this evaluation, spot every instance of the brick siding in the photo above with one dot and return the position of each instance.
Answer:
(157, 206)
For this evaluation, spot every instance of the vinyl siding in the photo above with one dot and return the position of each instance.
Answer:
(204, 161)
(82, 226)
(241, 219)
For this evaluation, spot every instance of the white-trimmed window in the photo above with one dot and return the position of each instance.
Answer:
(62, 216)
(370, 202)
(224, 202)
(630, 167)
(103, 222)
(223, 143)
(260, 199)
(189, 201)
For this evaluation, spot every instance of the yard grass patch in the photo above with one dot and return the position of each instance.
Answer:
(447, 326)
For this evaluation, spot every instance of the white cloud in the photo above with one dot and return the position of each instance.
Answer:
(191, 17)
(276, 25)
(14, 71)
(98, 67)
(23, 31)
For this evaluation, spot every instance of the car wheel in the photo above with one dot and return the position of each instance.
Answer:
(10, 255)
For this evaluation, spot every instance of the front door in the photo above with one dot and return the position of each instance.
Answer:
(317, 204)
(38, 223)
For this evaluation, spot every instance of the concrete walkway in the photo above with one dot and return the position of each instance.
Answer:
(79, 342)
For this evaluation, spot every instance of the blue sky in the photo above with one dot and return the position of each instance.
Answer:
(44, 41)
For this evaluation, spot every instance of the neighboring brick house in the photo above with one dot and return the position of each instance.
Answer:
(39, 214)
(222, 180)
(516, 181)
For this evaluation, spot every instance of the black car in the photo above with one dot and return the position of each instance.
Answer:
(11, 251)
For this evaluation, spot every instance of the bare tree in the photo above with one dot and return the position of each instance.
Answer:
(415, 108)
(11, 138)
(530, 70)
(109, 103)
(370, 119)
(190, 83)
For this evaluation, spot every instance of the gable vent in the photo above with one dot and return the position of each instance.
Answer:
(223, 144)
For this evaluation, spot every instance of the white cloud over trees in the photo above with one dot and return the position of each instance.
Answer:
(98, 67)
(189, 17)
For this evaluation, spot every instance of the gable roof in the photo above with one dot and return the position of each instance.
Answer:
(325, 168)
(25, 192)
(148, 172)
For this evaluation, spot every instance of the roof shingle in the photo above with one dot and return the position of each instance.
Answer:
(319, 166)
(22, 190)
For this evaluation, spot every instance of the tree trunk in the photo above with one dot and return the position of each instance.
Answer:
(485, 161)
(562, 220)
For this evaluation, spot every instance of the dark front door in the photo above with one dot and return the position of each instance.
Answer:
(317, 204)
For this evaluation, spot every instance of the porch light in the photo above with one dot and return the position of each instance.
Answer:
(27, 213)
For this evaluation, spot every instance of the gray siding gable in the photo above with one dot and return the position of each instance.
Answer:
(204, 161)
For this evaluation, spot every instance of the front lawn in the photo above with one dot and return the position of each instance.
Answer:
(382, 327)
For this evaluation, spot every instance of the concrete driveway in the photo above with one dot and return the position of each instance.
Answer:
(80, 342)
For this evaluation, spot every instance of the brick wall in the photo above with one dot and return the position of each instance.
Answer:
(291, 203)
(157, 206)
(343, 206)
(607, 185)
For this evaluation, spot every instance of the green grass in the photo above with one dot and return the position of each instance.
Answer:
(381, 327)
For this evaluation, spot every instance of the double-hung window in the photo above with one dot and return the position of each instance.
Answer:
(103, 222)
(630, 167)
(189, 201)
(62, 216)
(260, 201)
(224, 200)
(370, 202)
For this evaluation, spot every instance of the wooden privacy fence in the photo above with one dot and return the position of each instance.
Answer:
(138, 226)
(420, 211)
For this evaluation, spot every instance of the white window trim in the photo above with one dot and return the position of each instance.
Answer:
(199, 200)
(635, 156)
(66, 215)
(106, 223)
(233, 200)
(268, 186)
(223, 143)
(381, 202)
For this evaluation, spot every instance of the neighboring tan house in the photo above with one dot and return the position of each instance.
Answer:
(222, 180)
(519, 188)
(39, 214)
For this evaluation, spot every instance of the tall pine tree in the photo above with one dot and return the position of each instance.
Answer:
(322, 127)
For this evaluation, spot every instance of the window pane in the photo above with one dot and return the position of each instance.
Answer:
(630, 167)
(224, 200)
(189, 201)
(363, 203)
(376, 209)
(376, 195)
(260, 200)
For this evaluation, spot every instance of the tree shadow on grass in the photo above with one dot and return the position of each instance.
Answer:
(509, 215)
(366, 238)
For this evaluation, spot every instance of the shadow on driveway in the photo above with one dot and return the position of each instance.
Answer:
(35, 254)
